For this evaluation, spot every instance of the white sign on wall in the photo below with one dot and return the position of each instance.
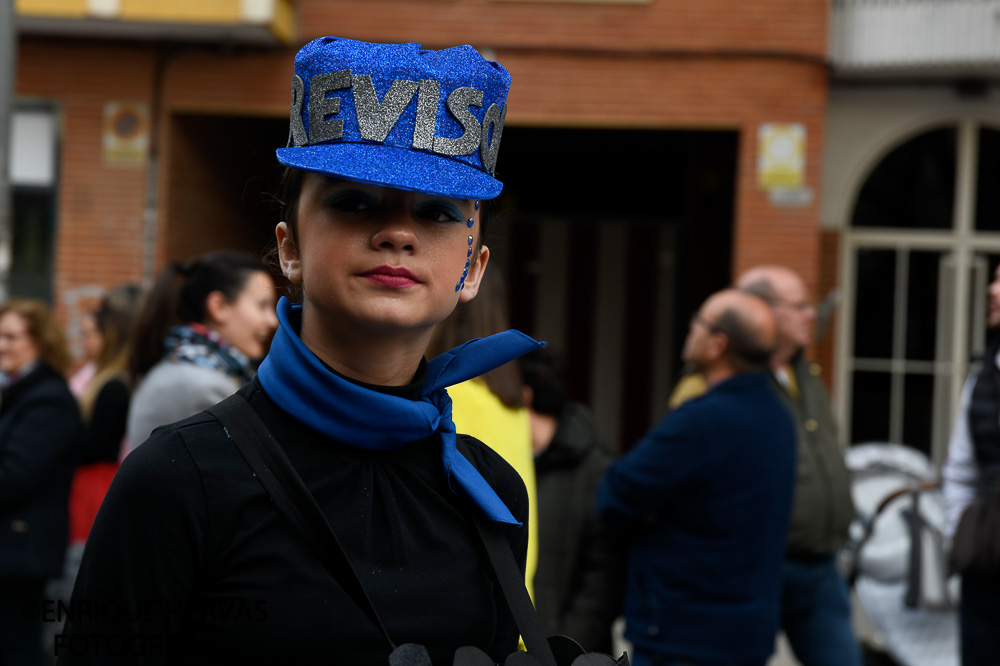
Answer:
(781, 155)
(32, 156)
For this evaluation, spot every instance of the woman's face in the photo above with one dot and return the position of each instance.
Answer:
(249, 321)
(92, 339)
(376, 260)
(17, 347)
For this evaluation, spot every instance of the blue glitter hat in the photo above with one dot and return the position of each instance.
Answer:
(399, 116)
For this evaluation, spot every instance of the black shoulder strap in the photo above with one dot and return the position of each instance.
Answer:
(275, 472)
(512, 582)
(284, 485)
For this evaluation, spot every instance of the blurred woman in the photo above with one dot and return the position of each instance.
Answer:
(92, 342)
(40, 434)
(104, 406)
(204, 324)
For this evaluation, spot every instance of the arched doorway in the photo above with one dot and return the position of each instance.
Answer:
(922, 242)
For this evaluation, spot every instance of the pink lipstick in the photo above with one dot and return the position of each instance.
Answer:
(395, 277)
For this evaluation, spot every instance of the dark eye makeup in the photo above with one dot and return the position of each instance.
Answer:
(360, 201)
(352, 201)
(438, 210)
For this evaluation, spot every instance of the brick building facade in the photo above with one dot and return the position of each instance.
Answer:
(629, 156)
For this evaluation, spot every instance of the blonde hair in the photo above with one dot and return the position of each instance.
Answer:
(114, 319)
(44, 331)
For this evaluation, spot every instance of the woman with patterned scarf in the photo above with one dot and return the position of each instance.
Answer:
(203, 326)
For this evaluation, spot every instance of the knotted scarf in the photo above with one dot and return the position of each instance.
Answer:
(298, 382)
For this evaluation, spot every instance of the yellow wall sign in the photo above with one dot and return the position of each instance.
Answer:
(781, 155)
(126, 133)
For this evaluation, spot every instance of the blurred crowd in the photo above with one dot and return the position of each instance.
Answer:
(66, 424)
(712, 534)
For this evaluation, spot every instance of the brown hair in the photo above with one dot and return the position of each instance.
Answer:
(484, 315)
(44, 330)
(179, 297)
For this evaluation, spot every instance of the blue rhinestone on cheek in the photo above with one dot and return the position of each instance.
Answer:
(465, 273)
(477, 205)
(471, 221)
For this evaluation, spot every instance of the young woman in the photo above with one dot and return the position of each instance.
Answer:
(92, 342)
(382, 235)
(39, 446)
(204, 323)
(104, 406)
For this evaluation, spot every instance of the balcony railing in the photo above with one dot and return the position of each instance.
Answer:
(916, 37)
(264, 22)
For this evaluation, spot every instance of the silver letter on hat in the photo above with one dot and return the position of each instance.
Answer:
(459, 102)
(321, 106)
(296, 130)
(427, 107)
(490, 147)
(375, 119)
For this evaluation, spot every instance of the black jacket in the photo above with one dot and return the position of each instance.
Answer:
(40, 434)
(580, 575)
(190, 561)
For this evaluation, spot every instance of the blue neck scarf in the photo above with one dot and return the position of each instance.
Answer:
(301, 385)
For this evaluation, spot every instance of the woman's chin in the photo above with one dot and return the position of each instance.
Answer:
(255, 352)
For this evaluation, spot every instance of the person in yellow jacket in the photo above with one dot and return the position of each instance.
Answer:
(491, 408)
(479, 412)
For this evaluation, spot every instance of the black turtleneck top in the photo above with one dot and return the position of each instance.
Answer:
(190, 562)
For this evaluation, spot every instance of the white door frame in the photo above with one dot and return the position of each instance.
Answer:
(962, 244)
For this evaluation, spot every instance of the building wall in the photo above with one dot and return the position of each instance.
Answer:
(865, 123)
(796, 27)
(715, 64)
(100, 207)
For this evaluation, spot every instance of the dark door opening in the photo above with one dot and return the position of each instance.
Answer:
(669, 196)
(222, 181)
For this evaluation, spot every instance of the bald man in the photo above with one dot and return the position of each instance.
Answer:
(708, 493)
(816, 613)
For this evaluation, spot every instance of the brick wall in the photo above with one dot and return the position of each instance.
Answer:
(792, 26)
(99, 206)
(709, 64)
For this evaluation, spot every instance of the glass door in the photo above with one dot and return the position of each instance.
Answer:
(924, 241)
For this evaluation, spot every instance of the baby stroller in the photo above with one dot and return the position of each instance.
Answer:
(895, 560)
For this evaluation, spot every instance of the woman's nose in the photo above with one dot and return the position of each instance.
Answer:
(397, 233)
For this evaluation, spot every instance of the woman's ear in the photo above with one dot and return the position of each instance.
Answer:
(288, 254)
(475, 276)
(217, 308)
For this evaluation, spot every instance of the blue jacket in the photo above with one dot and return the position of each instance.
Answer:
(40, 440)
(710, 492)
